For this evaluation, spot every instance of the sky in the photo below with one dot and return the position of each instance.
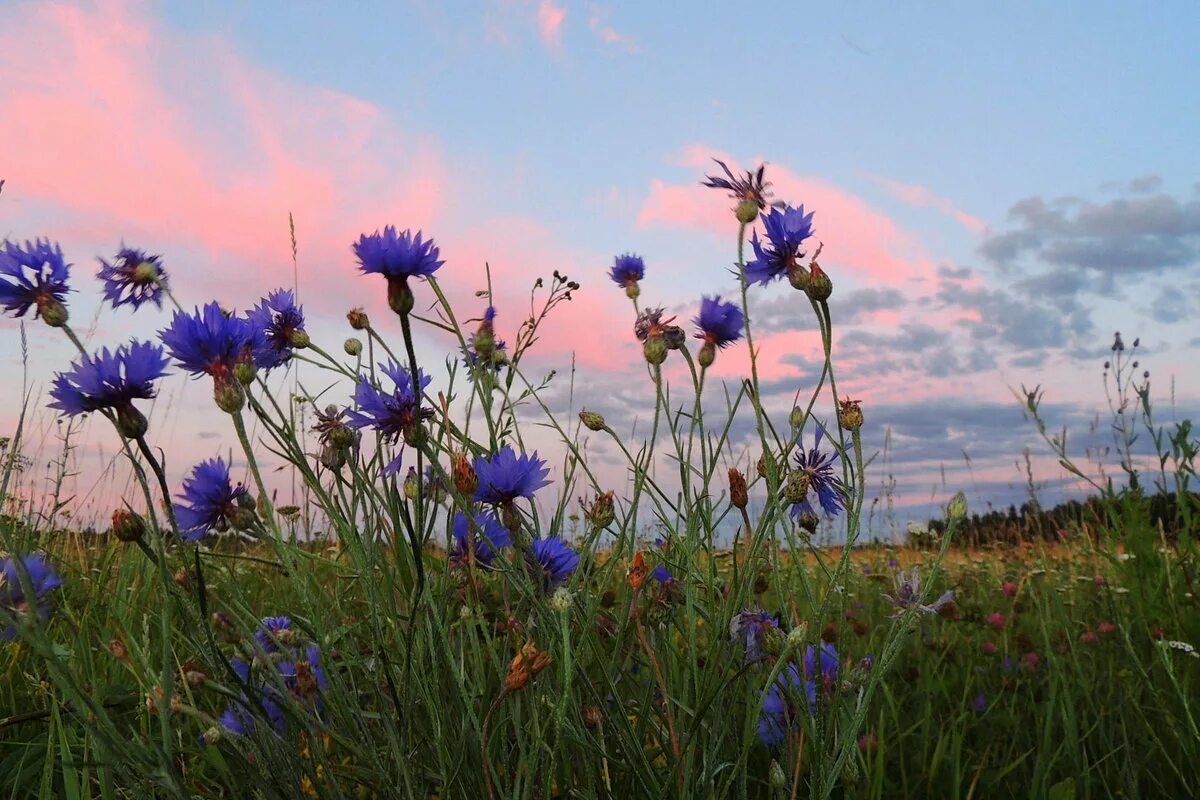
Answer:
(997, 188)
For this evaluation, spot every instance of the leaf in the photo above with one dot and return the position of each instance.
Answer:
(1063, 790)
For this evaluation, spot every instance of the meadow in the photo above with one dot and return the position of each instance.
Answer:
(449, 614)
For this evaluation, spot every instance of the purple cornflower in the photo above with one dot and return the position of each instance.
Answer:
(786, 230)
(397, 257)
(482, 345)
(554, 559)
(829, 662)
(133, 278)
(281, 323)
(818, 467)
(506, 476)
(42, 579)
(211, 342)
(751, 188)
(627, 270)
(274, 632)
(34, 276)
(752, 628)
(720, 323)
(208, 500)
(779, 703)
(490, 538)
(980, 703)
(394, 415)
(112, 380)
(663, 575)
(908, 594)
(282, 660)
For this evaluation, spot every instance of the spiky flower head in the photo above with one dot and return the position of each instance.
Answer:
(751, 191)
(211, 342)
(720, 324)
(786, 231)
(908, 594)
(18, 572)
(483, 348)
(396, 414)
(398, 257)
(751, 629)
(779, 705)
(34, 276)
(505, 476)
(133, 278)
(818, 467)
(489, 535)
(208, 501)
(281, 323)
(112, 380)
(554, 559)
(626, 271)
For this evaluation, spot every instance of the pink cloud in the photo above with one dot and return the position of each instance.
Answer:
(607, 34)
(550, 19)
(923, 197)
(858, 237)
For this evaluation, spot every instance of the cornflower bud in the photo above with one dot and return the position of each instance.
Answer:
(957, 508)
(819, 284)
(777, 777)
(130, 422)
(746, 211)
(797, 417)
(127, 526)
(799, 277)
(561, 600)
(299, 339)
(352, 346)
(707, 355)
(637, 572)
(245, 371)
(850, 415)
(797, 636)
(796, 488)
(53, 312)
(465, 479)
(591, 716)
(738, 495)
(358, 319)
(118, 650)
(228, 395)
(601, 513)
(655, 350)
(591, 420)
(412, 485)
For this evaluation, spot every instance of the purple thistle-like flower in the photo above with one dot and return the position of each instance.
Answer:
(133, 278)
(274, 632)
(506, 476)
(819, 468)
(786, 230)
(42, 579)
(627, 270)
(979, 704)
(490, 538)
(778, 714)
(554, 559)
(662, 575)
(649, 323)
(397, 255)
(751, 628)
(829, 662)
(720, 323)
(752, 187)
(279, 319)
(908, 594)
(109, 379)
(211, 342)
(281, 661)
(393, 414)
(33, 276)
(208, 500)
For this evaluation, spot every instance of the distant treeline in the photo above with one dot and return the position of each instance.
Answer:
(1028, 522)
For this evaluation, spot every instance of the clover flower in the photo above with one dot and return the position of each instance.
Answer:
(209, 500)
(908, 594)
(786, 230)
(505, 476)
(34, 276)
(554, 559)
(818, 467)
(133, 278)
(626, 271)
(396, 414)
(490, 537)
(397, 257)
(281, 323)
(720, 324)
(42, 579)
(112, 380)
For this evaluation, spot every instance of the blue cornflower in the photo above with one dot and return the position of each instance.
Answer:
(112, 380)
(720, 323)
(394, 415)
(398, 257)
(211, 342)
(663, 575)
(750, 189)
(34, 276)
(483, 346)
(490, 538)
(786, 230)
(506, 476)
(828, 662)
(626, 271)
(779, 702)
(979, 704)
(297, 667)
(274, 632)
(555, 560)
(209, 499)
(752, 628)
(818, 467)
(908, 594)
(42, 579)
(133, 278)
(281, 323)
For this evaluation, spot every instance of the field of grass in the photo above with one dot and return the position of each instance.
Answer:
(468, 623)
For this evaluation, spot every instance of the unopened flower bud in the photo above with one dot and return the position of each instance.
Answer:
(591, 420)
(463, 474)
(799, 277)
(358, 319)
(797, 637)
(333, 457)
(738, 496)
(182, 580)
(561, 600)
(127, 526)
(796, 488)
(212, 735)
(957, 508)
(746, 211)
(808, 522)
(773, 640)
(117, 648)
(637, 572)
(591, 716)
(245, 371)
(819, 284)
(242, 519)
(655, 350)
(777, 777)
(352, 346)
(797, 417)
(850, 415)
(412, 484)
(602, 512)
